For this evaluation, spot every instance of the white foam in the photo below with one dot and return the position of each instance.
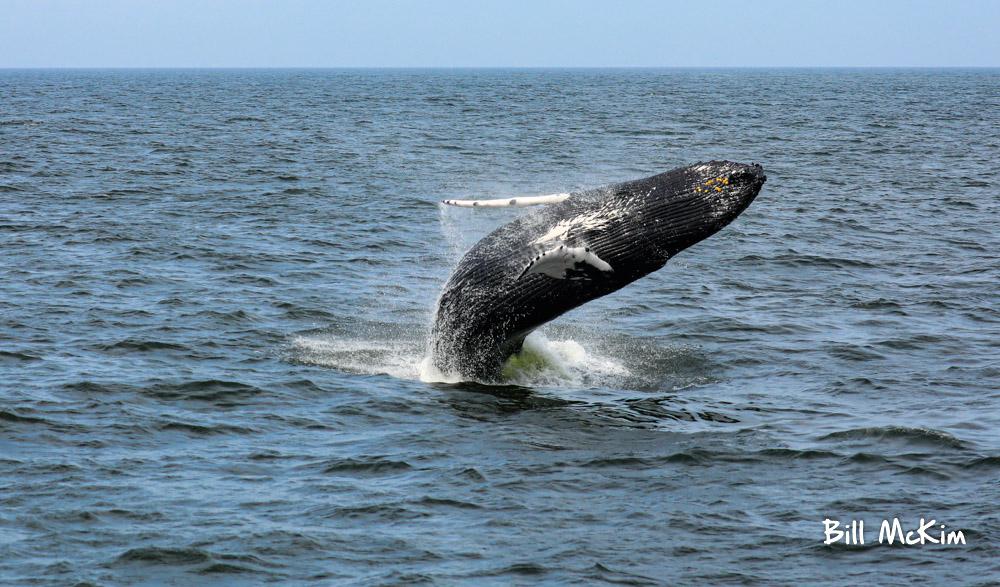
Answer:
(367, 357)
(550, 363)
(562, 363)
(429, 373)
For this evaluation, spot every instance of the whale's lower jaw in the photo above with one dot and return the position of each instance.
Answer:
(554, 259)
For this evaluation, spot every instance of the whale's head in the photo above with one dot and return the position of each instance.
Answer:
(696, 204)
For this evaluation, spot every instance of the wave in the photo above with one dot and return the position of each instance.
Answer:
(926, 436)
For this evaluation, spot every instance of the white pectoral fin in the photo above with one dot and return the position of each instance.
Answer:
(565, 262)
(517, 202)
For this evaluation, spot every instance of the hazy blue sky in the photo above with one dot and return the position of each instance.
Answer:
(258, 33)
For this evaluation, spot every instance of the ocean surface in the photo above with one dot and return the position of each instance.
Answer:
(217, 288)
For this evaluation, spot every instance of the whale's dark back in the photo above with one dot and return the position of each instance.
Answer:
(488, 305)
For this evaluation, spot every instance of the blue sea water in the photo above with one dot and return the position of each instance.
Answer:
(217, 288)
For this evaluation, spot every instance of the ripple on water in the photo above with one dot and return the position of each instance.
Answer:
(901, 434)
(195, 560)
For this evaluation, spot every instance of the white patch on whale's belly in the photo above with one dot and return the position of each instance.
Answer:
(599, 219)
(560, 232)
(557, 232)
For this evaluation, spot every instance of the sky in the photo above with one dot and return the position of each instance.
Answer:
(498, 33)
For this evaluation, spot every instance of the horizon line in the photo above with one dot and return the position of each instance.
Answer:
(425, 67)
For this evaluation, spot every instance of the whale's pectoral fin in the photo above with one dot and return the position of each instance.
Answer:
(566, 262)
(516, 202)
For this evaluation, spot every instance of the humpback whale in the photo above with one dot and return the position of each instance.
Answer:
(579, 247)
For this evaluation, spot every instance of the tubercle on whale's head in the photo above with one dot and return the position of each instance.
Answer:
(725, 188)
(716, 176)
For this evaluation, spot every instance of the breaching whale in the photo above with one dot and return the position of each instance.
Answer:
(580, 247)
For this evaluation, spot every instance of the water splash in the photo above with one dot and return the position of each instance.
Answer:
(399, 359)
(561, 363)
(541, 363)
